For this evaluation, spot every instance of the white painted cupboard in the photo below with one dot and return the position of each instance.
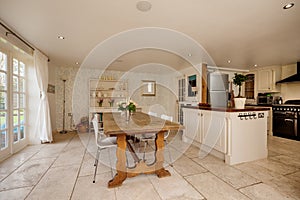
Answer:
(267, 78)
(205, 127)
(234, 135)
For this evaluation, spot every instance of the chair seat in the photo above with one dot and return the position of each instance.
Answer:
(104, 142)
(147, 136)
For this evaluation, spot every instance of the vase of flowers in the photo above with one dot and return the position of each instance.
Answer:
(100, 102)
(111, 102)
(127, 108)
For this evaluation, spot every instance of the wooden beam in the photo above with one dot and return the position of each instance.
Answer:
(204, 83)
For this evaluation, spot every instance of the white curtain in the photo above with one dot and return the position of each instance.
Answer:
(43, 124)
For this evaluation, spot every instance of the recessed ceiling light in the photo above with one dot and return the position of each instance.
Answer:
(190, 55)
(288, 6)
(77, 63)
(143, 6)
(61, 37)
(255, 65)
(229, 61)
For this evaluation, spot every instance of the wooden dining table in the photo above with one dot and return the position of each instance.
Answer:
(114, 124)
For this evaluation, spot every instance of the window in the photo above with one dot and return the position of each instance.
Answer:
(13, 64)
(3, 101)
(18, 99)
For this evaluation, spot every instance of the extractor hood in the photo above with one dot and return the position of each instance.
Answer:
(293, 78)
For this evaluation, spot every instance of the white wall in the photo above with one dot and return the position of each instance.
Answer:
(51, 96)
(164, 102)
(289, 90)
(69, 74)
(77, 91)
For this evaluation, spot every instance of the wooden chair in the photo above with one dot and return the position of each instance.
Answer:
(102, 142)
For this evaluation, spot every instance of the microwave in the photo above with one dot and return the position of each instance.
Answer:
(264, 100)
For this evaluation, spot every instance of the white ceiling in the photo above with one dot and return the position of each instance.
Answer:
(246, 32)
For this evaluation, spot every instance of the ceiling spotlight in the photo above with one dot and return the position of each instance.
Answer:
(255, 65)
(288, 6)
(229, 61)
(77, 63)
(61, 37)
(190, 55)
(143, 6)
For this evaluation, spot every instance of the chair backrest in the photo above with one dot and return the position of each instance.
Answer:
(96, 127)
(152, 114)
(166, 117)
(169, 118)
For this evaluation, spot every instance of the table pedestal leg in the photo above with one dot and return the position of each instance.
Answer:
(121, 162)
(159, 143)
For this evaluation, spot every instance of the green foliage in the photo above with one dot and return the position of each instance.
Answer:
(238, 79)
(131, 107)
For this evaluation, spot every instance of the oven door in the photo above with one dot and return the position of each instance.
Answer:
(284, 124)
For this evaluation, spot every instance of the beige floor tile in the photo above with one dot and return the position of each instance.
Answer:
(272, 153)
(50, 151)
(179, 145)
(15, 194)
(286, 186)
(257, 171)
(57, 183)
(294, 176)
(174, 187)
(276, 166)
(208, 178)
(27, 175)
(287, 160)
(262, 192)
(85, 189)
(227, 173)
(87, 167)
(11, 164)
(137, 188)
(73, 156)
(186, 166)
(192, 152)
(213, 188)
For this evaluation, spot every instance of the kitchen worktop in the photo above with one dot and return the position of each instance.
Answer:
(225, 109)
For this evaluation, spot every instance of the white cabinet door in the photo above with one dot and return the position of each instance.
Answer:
(214, 130)
(265, 80)
(191, 122)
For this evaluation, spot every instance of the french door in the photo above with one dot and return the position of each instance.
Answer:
(12, 103)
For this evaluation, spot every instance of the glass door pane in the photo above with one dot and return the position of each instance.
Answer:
(4, 137)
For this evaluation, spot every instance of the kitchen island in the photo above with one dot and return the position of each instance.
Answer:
(234, 135)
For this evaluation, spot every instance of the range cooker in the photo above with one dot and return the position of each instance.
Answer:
(285, 119)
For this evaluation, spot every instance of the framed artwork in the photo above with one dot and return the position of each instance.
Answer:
(148, 88)
(192, 85)
(51, 89)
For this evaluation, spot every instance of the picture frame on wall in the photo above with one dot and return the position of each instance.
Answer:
(51, 89)
(148, 88)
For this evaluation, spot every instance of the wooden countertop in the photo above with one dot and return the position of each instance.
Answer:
(224, 109)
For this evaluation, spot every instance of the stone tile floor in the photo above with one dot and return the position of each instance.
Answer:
(64, 170)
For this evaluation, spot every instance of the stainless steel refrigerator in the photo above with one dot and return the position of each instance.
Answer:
(218, 86)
